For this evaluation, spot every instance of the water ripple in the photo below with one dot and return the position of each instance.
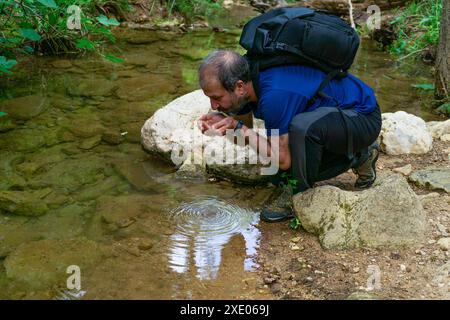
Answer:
(203, 228)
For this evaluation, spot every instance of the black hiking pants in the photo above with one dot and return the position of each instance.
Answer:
(328, 141)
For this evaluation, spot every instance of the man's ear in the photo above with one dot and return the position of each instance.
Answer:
(240, 86)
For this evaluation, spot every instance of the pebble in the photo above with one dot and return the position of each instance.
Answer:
(406, 170)
(402, 267)
(431, 241)
(442, 229)
(275, 288)
(444, 244)
(295, 240)
(356, 269)
(309, 279)
(145, 244)
(318, 272)
(269, 280)
(295, 248)
(133, 251)
(395, 255)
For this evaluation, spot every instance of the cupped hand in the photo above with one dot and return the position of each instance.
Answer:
(216, 124)
(206, 121)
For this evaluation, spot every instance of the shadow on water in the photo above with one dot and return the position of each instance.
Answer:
(72, 167)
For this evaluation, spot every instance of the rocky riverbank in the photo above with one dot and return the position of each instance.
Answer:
(413, 271)
(397, 231)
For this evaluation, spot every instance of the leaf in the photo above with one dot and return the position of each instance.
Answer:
(2, 114)
(7, 64)
(107, 22)
(445, 108)
(295, 223)
(30, 34)
(113, 58)
(85, 44)
(424, 86)
(49, 3)
(10, 40)
(28, 49)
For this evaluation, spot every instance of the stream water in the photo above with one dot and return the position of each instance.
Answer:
(77, 189)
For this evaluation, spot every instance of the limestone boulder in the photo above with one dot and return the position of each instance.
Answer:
(172, 132)
(404, 133)
(389, 214)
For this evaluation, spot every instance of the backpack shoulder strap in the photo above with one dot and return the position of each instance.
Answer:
(319, 93)
(254, 73)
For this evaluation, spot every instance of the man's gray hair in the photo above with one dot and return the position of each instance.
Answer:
(229, 66)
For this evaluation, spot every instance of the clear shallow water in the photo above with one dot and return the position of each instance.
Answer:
(71, 149)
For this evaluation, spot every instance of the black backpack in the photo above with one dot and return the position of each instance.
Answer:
(300, 36)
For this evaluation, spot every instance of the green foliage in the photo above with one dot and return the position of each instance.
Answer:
(289, 180)
(444, 109)
(6, 64)
(2, 114)
(107, 22)
(423, 86)
(49, 3)
(295, 223)
(47, 26)
(192, 8)
(417, 27)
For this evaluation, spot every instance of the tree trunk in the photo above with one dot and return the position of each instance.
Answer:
(442, 78)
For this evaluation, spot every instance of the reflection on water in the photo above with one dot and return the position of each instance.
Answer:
(203, 228)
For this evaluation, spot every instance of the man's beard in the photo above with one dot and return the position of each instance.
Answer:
(240, 103)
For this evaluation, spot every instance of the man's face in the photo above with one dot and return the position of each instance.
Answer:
(224, 101)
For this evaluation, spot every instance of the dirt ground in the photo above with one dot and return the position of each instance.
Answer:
(311, 272)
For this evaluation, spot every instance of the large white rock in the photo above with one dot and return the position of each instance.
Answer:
(439, 129)
(389, 214)
(404, 133)
(173, 132)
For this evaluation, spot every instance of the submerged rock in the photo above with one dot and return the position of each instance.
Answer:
(68, 176)
(434, 178)
(25, 203)
(91, 88)
(83, 123)
(143, 87)
(388, 214)
(90, 143)
(8, 176)
(123, 211)
(101, 188)
(173, 133)
(40, 159)
(404, 133)
(63, 223)
(24, 108)
(136, 175)
(26, 140)
(42, 264)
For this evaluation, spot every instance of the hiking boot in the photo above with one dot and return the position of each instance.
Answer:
(279, 206)
(366, 171)
(275, 216)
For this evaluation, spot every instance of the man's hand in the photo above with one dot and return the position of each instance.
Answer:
(216, 123)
